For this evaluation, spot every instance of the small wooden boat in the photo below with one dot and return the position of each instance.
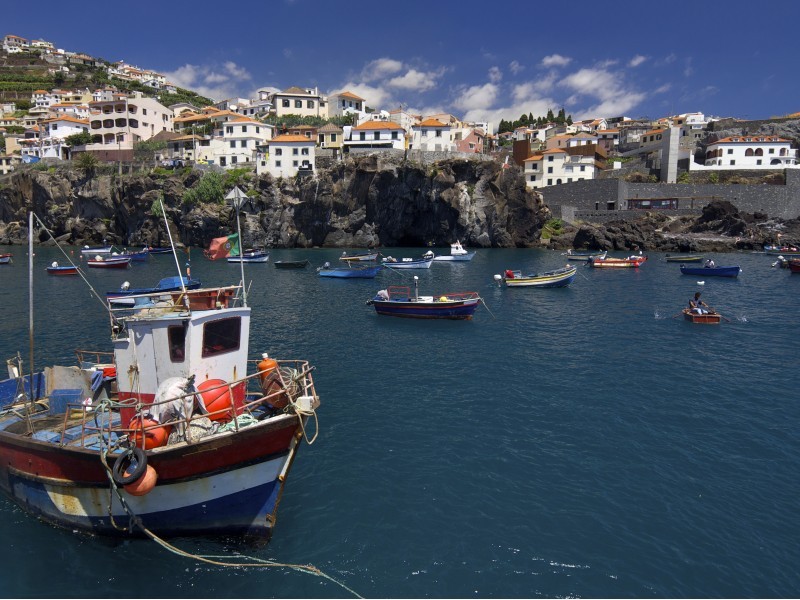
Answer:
(710, 318)
(684, 258)
(731, 271)
(159, 250)
(111, 262)
(54, 269)
(250, 256)
(128, 296)
(457, 254)
(291, 264)
(141, 256)
(398, 301)
(410, 263)
(92, 251)
(584, 256)
(550, 279)
(5, 259)
(631, 262)
(349, 272)
(361, 257)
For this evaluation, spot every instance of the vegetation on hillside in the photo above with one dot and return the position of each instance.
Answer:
(529, 121)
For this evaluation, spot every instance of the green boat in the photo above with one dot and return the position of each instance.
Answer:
(684, 258)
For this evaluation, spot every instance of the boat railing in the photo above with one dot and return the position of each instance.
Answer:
(92, 358)
(295, 381)
(162, 302)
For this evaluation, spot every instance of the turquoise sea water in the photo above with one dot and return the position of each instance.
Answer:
(574, 442)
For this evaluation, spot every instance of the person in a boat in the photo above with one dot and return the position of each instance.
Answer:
(697, 306)
(709, 264)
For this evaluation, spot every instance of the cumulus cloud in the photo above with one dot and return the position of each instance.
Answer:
(495, 75)
(413, 80)
(607, 89)
(637, 60)
(476, 97)
(555, 60)
(380, 68)
(384, 81)
(375, 96)
(515, 67)
(213, 81)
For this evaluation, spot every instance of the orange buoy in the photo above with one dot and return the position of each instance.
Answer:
(218, 402)
(271, 382)
(144, 484)
(153, 436)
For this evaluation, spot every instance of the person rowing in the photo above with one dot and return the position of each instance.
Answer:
(697, 306)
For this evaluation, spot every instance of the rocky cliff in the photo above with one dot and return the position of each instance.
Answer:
(368, 201)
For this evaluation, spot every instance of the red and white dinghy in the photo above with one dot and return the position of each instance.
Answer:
(109, 262)
(176, 432)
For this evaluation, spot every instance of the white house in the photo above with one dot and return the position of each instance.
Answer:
(344, 103)
(299, 101)
(432, 136)
(750, 152)
(14, 43)
(241, 137)
(287, 154)
(376, 134)
(403, 118)
(557, 166)
(52, 136)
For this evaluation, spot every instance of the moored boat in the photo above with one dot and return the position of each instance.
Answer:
(250, 256)
(141, 256)
(410, 263)
(457, 254)
(360, 257)
(684, 258)
(354, 272)
(159, 250)
(5, 259)
(550, 279)
(291, 264)
(128, 296)
(794, 265)
(110, 262)
(707, 318)
(631, 262)
(94, 250)
(728, 271)
(399, 301)
(55, 269)
(785, 250)
(584, 256)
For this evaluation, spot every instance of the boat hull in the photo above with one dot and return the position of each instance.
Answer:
(370, 257)
(704, 319)
(254, 258)
(291, 264)
(110, 263)
(230, 484)
(554, 279)
(455, 257)
(732, 271)
(409, 264)
(584, 256)
(62, 270)
(685, 258)
(616, 263)
(463, 309)
(343, 273)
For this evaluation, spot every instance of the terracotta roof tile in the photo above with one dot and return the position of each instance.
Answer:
(370, 125)
(286, 137)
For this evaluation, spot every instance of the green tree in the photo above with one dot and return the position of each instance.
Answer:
(87, 162)
(550, 116)
(209, 190)
(145, 150)
(79, 139)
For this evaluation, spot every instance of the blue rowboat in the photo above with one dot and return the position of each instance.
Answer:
(141, 256)
(550, 279)
(54, 269)
(126, 294)
(250, 256)
(398, 301)
(349, 272)
(731, 271)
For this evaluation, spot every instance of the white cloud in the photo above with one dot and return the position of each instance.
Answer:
(375, 96)
(664, 88)
(495, 75)
(637, 60)
(287, 53)
(476, 97)
(612, 97)
(556, 60)
(689, 69)
(213, 81)
(381, 67)
(418, 81)
(604, 64)
(515, 67)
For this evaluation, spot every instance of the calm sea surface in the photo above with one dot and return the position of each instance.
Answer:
(577, 442)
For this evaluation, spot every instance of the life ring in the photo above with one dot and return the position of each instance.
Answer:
(121, 472)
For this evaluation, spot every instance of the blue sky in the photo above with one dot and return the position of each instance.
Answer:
(476, 60)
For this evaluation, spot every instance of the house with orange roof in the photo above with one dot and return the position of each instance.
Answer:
(13, 44)
(750, 152)
(471, 140)
(557, 166)
(652, 137)
(51, 142)
(431, 135)
(304, 102)
(403, 118)
(286, 155)
(346, 102)
(373, 135)
(240, 140)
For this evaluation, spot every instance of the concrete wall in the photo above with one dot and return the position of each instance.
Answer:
(586, 197)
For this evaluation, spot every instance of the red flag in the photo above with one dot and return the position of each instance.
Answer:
(221, 247)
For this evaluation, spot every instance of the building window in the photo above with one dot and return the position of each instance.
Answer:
(772, 150)
(233, 160)
(550, 158)
(243, 144)
(376, 135)
(549, 182)
(733, 162)
(583, 167)
(730, 150)
(758, 162)
(310, 104)
(286, 104)
(233, 143)
(363, 136)
(277, 163)
(304, 152)
(294, 163)
(294, 151)
(257, 130)
(244, 128)
(298, 104)
(438, 133)
(333, 137)
(549, 169)
(278, 151)
(533, 178)
(394, 135)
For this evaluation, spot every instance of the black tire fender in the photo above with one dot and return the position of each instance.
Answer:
(121, 473)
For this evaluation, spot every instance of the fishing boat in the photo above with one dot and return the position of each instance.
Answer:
(92, 251)
(5, 259)
(128, 296)
(709, 318)
(291, 264)
(684, 258)
(110, 262)
(730, 271)
(457, 254)
(631, 262)
(354, 272)
(424, 262)
(141, 256)
(250, 256)
(361, 257)
(584, 256)
(550, 279)
(190, 439)
(786, 250)
(398, 301)
(55, 269)
(159, 250)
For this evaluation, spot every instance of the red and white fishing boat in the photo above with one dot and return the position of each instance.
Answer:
(5, 259)
(631, 262)
(174, 433)
(109, 262)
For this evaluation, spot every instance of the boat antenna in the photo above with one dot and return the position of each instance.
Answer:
(174, 254)
(30, 297)
(237, 196)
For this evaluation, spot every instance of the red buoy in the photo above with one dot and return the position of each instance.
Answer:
(144, 484)
(218, 402)
(153, 436)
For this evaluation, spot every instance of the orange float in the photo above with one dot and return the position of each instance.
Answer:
(271, 382)
(218, 402)
(144, 484)
(147, 433)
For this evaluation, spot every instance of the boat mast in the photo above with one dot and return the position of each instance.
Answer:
(174, 254)
(237, 196)
(30, 295)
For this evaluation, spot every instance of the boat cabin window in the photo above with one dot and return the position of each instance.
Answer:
(177, 343)
(221, 336)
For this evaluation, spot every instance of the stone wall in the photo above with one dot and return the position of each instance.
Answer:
(588, 197)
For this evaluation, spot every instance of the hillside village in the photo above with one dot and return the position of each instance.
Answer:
(291, 132)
